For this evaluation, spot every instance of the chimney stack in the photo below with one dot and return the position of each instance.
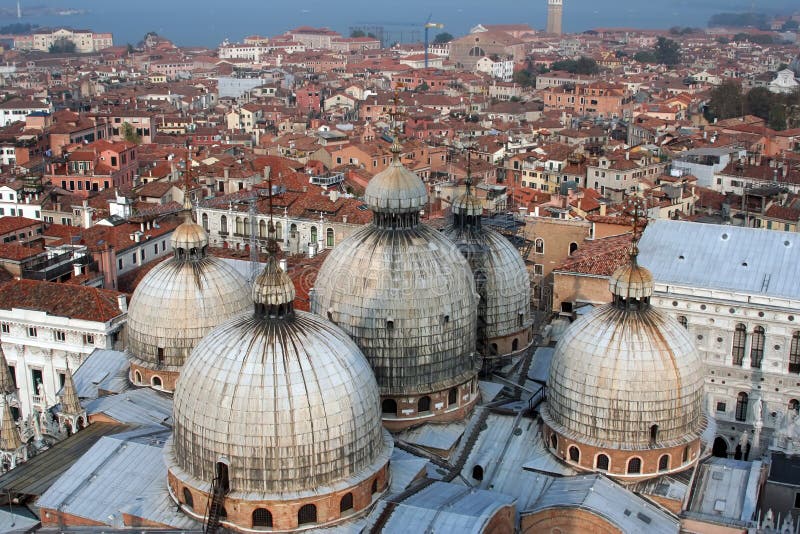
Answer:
(122, 303)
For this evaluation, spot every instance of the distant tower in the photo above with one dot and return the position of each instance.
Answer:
(554, 11)
(19, 10)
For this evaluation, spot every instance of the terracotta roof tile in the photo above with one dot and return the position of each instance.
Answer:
(62, 300)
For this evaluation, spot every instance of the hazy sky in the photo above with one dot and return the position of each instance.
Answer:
(207, 22)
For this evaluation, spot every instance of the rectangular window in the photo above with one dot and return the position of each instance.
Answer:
(155, 248)
(739, 341)
(163, 246)
(721, 406)
(36, 379)
(141, 255)
(119, 264)
(5, 328)
(62, 377)
(31, 331)
(757, 348)
(538, 270)
(88, 339)
(133, 258)
(794, 353)
(13, 371)
(60, 335)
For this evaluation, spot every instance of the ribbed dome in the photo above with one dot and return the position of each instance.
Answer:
(290, 403)
(407, 298)
(502, 278)
(179, 302)
(466, 205)
(189, 235)
(623, 368)
(396, 190)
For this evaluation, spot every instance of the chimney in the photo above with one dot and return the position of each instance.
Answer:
(77, 269)
(602, 210)
(141, 226)
(283, 264)
(266, 172)
(122, 303)
(312, 250)
(334, 195)
(87, 214)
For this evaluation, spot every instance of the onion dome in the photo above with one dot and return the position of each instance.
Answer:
(286, 401)
(403, 292)
(177, 303)
(627, 376)
(501, 279)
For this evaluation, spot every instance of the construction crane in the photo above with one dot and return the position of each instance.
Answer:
(428, 26)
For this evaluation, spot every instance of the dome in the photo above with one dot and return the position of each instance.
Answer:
(406, 296)
(408, 300)
(502, 279)
(626, 375)
(396, 190)
(285, 399)
(188, 236)
(178, 302)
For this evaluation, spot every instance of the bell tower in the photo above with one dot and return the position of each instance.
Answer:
(554, 12)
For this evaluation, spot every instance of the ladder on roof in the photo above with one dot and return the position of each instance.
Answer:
(765, 283)
(215, 506)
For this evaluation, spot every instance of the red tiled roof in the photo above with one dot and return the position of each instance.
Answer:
(600, 257)
(62, 300)
(12, 224)
(15, 252)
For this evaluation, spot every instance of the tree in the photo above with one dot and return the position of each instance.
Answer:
(726, 101)
(645, 56)
(442, 38)
(130, 134)
(667, 51)
(759, 102)
(422, 87)
(777, 116)
(524, 77)
(586, 65)
(62, 46)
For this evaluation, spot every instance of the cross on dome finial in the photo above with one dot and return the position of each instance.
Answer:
(394, 114)
(636, 209)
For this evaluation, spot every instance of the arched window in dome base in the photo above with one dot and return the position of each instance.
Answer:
(574, 454)
(187, 498)
(553, 441)
(262, 517)
(137, 377)
(634, 466)
(389, 407)
(156, 382)
(424, 404)
(346, 503)
(307, 514)
(477, 472)
(663, 462)
(602, 462)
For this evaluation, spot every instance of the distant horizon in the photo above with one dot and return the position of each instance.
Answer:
(191, 23)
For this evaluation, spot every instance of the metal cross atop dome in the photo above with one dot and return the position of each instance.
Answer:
(395, 114)
(636, 209)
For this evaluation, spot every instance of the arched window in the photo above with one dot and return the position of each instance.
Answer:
(476, 51)
(160, 355)
(374, 486)
(539, 245)
(204, 219)
(686, 451)
(222, 476)
(477, 472)
(553, 441)
(493, 349)
(574, 454)
(389, 406)
(794, 406)
(653, 434)
(663, 462)
(262, 517)
(346, 503)
(634, 466)
(573, 247)
(794, 353)
(452, 396)
(187, 498)
(313, 234)
(278, 231)
(424, 404)
(223, 224)
(329, 238)
(514, 345)
(307, 514)
(739, 342)
(137, 377)
(741, 406)
(292, 229)
(757, 347)
(602, 462)
(262, 228)
(156, 382)
(239, 226)
(684, 321)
